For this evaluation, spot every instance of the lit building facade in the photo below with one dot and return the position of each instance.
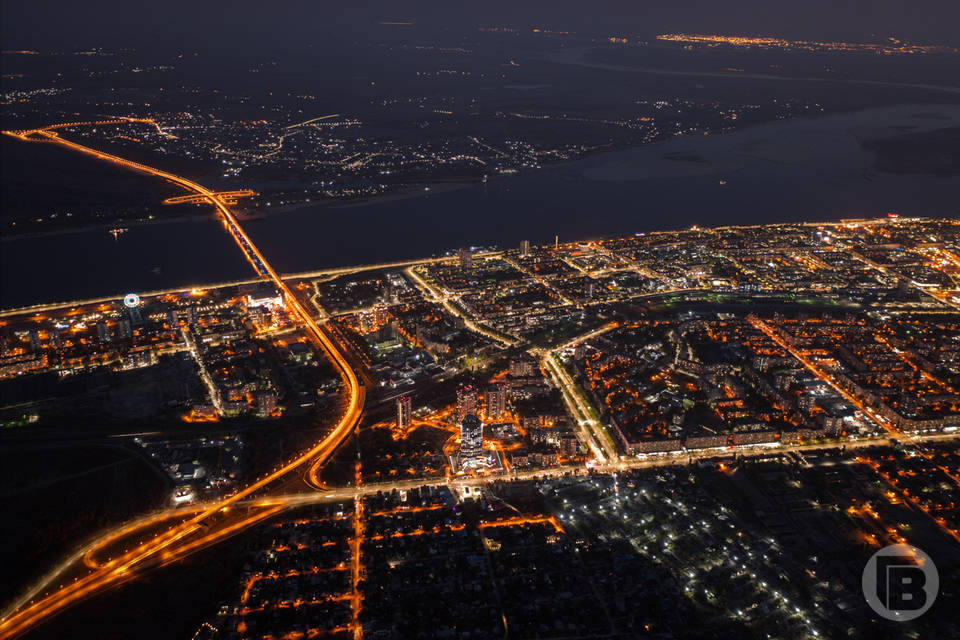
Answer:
(466, 402)
(404, 415)
(496, 401)
(466, 259)
(471, 439)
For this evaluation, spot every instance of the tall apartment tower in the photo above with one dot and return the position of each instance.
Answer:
(466, 259)
(496, 401)
(124, 329)
(103, 333)
(466, 403)
(404, 414)
(471, 438)
(524, 248)
(134, 316)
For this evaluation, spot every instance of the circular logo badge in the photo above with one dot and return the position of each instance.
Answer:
(900, 582)
(131, 300)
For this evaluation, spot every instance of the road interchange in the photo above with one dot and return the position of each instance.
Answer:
(216, 520)
(203, 525)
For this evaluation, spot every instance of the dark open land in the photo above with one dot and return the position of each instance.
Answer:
(66, 492)
(186, 589)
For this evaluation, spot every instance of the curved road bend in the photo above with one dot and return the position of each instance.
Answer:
(215, 521)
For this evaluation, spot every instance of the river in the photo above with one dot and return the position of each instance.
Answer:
(786, 171)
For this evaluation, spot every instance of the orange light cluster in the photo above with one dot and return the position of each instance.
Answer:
(806, 45)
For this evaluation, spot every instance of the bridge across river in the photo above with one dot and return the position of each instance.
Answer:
(216, 520)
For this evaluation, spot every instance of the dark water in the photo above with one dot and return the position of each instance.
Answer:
(91, 263)
(796, 170)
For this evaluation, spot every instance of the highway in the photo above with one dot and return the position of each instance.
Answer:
(227, 196)
(215, 521)
(349, 493)
(125, 552)
(585, 423)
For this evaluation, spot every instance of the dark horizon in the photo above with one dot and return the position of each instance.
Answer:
(110, 23)
(386, 320)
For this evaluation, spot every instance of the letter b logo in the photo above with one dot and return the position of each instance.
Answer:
(900, 582)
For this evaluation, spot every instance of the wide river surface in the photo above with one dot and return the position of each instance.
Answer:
(794, 170)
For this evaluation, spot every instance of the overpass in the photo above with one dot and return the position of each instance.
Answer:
(216, 520)
(228, 197)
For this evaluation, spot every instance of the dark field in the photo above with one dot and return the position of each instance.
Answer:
(53, 494)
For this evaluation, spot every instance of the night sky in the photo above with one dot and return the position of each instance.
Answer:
(49, 23)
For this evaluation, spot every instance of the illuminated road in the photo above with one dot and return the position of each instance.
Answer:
(126, 552)
(215, 521)
(824, 376)
(572, 342)
(943, 297)
(594, 434)
(346, 494)
(874, 415)
(271, 505)
(599, 439)
(546, 284)
(583, 417)
(306, 275)
(227, 196)
(435, 295)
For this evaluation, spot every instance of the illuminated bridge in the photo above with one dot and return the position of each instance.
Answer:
(211, 521)
(227, 197)
(27, 134)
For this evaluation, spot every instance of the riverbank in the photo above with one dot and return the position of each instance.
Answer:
(786, 171)
(204, 214)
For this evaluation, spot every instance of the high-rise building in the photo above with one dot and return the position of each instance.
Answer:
(389, 292)
(466, 259)
(35, 345)
(103, 333)
(496, 401)
(471, 438)
(466, 402)
(124, 329)
(524, 248)
(404, 414)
